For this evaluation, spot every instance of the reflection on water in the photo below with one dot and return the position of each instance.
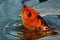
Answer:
(10, 30)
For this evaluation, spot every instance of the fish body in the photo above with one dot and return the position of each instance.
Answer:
(34, 25)
(31, 19)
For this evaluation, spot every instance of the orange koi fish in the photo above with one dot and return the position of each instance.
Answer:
(31, 19)
(35, 26)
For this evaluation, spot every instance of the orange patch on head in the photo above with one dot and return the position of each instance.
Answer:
(28, 11)
(29, 18)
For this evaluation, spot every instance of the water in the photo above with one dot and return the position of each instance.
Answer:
(10, 29)
(10, 22)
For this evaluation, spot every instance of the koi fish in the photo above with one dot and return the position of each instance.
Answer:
(35, 25)
(31, 19)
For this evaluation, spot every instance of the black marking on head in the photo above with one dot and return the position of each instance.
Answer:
(29, 14)
(42, 20)
(39, 17)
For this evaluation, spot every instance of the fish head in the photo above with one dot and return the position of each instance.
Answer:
(28, 13)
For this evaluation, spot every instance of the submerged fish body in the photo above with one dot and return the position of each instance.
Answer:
(34, 25)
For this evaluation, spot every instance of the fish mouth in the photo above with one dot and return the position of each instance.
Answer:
(24, 6)
(22, 11)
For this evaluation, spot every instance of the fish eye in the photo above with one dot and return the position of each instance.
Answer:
(46, 28)
(29, 14)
